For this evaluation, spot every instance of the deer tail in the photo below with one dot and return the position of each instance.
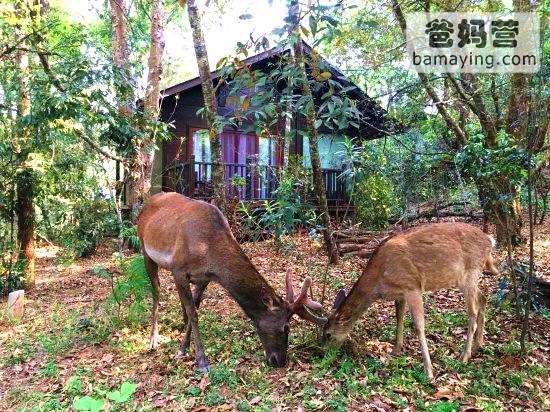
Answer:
(490, 266)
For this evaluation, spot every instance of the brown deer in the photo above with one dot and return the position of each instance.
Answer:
(193, 240)
(425, 258)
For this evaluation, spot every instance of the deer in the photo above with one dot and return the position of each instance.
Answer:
(404, 266)
(192, 239)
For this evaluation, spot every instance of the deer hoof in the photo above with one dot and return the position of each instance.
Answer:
(203, 368)
(465, 357)
(153, 346)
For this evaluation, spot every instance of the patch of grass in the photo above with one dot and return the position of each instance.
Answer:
(213, 397)
(490, 406)
(19, 350)
(220, 374)
(74, 385)
(514, 379)
(38, 401)
(49, 370)
(443, 406)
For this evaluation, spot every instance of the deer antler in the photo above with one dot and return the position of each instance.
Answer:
(300, 305)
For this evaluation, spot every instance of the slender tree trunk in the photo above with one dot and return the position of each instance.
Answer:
(26, 225)
(123, 91)
(152, 97)
(141, 165)
(121, 52)
(318, 184)
(25, 181)
(525, 325)
(210, 103)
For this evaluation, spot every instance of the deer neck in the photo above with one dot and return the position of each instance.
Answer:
(244, 283)
(360, 297)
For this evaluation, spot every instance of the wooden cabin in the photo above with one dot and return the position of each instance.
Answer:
(252, 162)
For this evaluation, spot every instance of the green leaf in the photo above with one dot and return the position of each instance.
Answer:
(87, 403)
(313, 24)
(122, 395)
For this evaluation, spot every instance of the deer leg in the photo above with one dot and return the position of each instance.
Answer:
(197, 293)
(400, 309)
(186, 297)
(478, 337)
(152, 270)
(197, 298)
(472, 307)
(416, 306)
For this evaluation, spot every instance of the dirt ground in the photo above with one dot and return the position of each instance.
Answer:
(68, 346)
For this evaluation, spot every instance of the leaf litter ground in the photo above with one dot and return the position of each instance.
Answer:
(68, 347)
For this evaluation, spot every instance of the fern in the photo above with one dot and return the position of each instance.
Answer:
(130, 234)
(131, 291)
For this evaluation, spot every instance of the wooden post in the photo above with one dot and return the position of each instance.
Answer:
(250, 178)
(191, 177)
(16, 304)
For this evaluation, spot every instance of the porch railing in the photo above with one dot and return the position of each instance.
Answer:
(249, 181)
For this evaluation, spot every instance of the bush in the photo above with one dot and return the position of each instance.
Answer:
(131, 291)
(89, 222)
(11, 276)
(289, 209)
(373, 198)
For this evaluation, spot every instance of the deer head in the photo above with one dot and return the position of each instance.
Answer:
(273, 328)
(334, 327)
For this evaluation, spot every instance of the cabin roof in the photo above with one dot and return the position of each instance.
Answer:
(376, 121)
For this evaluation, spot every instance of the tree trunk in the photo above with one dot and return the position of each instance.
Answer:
(121, 52)
(507, 223)
(152, 99)
(26, 225)
(124, 94)
(24, 191)
(318, 184)
(210, 103)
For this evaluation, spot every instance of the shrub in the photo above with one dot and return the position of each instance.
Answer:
(11, 275)
(289, 210)
(89, 222)
(373, 196)
(131, 291)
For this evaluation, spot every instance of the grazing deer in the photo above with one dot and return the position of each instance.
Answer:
(193, 240)
(425, 258)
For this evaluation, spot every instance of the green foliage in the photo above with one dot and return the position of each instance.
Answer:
(96, 404)
(289, 209)
(129, 234)
(501, 170)
(131, 291)
(90, 221)
(12, 275)
(87, 403)
(373, 199)
(123, 394)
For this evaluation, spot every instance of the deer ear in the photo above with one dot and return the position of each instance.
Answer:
(270, 303)
(340, 297)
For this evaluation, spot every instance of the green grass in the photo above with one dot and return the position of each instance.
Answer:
(331, 378)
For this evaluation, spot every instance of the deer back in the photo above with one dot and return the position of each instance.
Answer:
(425, 258)
(179, 232)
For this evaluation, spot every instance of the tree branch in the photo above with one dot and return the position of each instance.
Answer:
(476, 105)
(459, 133)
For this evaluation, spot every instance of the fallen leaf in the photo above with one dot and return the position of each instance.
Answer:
(255, 400)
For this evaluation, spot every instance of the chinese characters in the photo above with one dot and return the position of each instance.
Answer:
(472, 31)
